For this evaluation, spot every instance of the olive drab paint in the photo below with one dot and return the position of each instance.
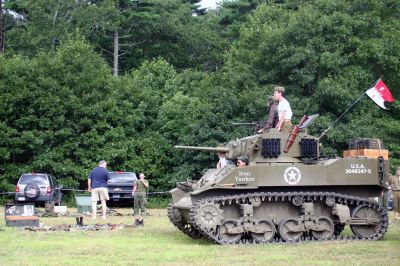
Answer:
(282, 195)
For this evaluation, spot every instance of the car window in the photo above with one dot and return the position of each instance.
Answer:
(122, 177)
(51, 179)
(37, 179)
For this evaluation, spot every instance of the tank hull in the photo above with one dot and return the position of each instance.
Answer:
(283, 203)
(283, 195)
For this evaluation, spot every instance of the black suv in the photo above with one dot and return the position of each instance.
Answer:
(120, 186)
(37, 188)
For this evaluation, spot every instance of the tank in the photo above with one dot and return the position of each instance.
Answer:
(287, 193)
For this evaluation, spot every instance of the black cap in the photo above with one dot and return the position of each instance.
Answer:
(243, 158)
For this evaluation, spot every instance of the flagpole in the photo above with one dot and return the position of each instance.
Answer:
(348, 108)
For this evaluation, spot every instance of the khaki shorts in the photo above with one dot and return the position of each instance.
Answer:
(286, 126)
(100, 193)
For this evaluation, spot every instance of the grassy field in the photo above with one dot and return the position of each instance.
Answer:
(160, 243)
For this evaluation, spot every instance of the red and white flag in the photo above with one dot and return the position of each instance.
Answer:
(380, 94)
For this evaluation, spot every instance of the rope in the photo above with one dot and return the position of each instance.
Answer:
(80, 190)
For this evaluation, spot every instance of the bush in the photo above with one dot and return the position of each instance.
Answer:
(158, 201)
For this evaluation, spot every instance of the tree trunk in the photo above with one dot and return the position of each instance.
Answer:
(116, 55)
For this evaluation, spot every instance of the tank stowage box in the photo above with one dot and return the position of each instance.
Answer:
(368, 153)
(288, 193)
(365, 143)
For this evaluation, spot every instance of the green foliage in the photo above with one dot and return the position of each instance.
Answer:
(146, 29)
(158, 202)
(40, 25)
(325, 53)
(184, 79)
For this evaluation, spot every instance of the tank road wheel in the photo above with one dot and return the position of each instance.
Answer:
(268, 229)
(288, 230)
(324, 229)
(224, 234)
(366, 230)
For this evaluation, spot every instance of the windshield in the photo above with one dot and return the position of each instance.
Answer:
(37, 179)
(122, 177)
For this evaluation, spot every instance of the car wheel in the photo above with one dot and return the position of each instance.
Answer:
(31, 191)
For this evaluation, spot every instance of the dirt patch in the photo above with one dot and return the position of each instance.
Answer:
(91, 227)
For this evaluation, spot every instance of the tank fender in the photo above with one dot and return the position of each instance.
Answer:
(184, 203)
(177, 194)
(341, 211)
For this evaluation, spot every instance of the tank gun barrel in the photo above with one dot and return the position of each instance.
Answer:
(195, 148)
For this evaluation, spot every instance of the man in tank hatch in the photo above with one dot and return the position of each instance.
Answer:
(242, 161)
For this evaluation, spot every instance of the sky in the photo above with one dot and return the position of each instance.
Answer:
(209, 3)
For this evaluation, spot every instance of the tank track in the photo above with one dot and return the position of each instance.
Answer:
(208, 222)
(183, 226)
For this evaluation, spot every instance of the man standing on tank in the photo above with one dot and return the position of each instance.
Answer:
(97, 185)
(273, 118)
(284, 111)
(395, 185)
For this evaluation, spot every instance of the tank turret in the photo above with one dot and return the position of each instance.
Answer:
(288, 193)
(268, 147)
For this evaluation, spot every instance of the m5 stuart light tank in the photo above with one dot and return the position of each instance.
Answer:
(287, 193)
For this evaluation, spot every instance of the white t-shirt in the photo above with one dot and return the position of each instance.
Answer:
(223, 162)
(284, 109)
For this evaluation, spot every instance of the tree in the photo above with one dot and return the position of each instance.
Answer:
(325, 53)
(61, 119)
(40, 25)
(125, 32)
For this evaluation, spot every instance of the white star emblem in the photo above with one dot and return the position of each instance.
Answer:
(292, 175)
